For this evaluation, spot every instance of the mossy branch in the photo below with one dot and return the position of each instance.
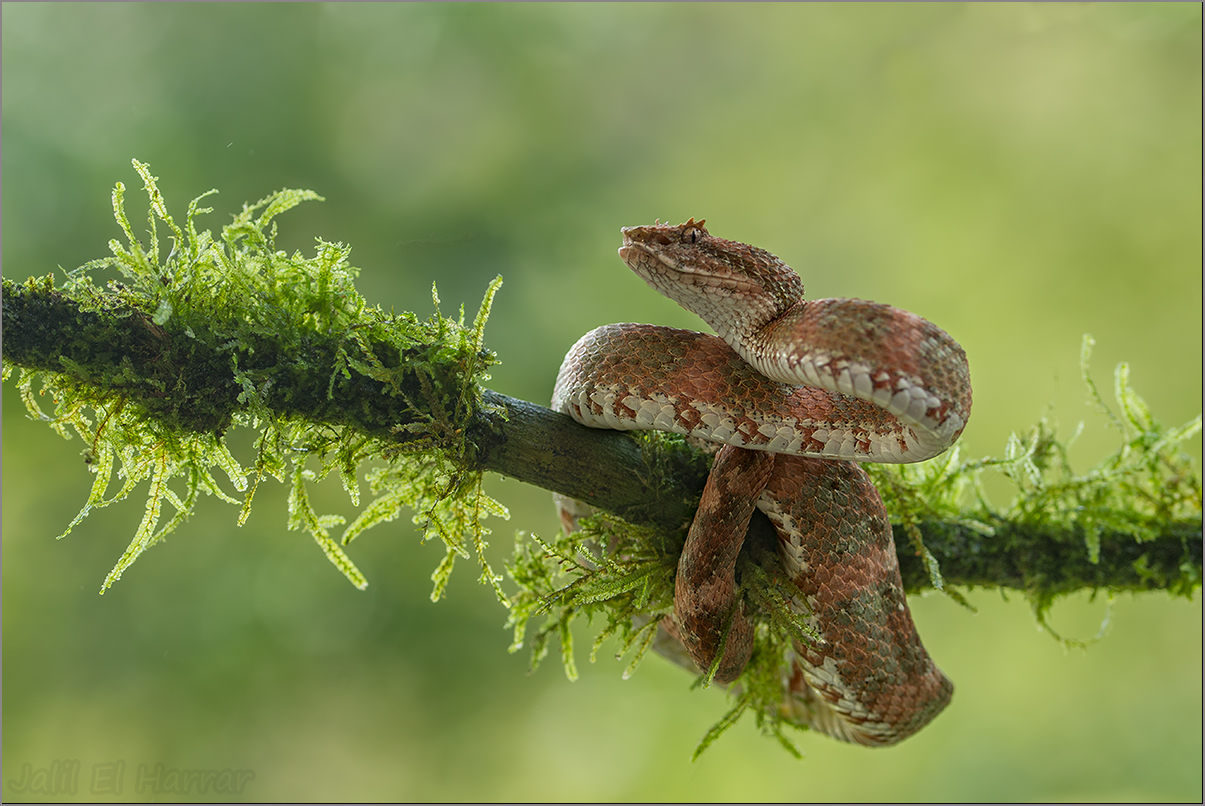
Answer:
(185, 383)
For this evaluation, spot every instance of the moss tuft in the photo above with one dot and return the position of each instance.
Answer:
(225, 332)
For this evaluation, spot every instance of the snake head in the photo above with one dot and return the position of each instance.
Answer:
(732, 286)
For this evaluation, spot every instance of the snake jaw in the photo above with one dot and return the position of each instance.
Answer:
(653, 264)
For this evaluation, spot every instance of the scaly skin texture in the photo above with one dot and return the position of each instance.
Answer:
(791, 388)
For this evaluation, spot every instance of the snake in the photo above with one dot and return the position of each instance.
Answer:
(794, 393)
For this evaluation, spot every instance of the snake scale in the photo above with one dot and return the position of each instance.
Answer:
(796, 392)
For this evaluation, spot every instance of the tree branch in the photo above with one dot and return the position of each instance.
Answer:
(183, 378)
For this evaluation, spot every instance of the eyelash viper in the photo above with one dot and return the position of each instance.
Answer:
(796, 392)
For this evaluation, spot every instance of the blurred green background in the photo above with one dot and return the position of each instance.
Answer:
(1019, 174)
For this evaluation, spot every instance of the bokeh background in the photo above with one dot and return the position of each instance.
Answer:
(1019, 174)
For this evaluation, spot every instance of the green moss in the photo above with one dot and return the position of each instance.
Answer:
(630, 586)
(230, 325)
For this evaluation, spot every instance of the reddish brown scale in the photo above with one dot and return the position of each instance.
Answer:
(647, 359)
(849, 577)
(870, 679)
(705, 602)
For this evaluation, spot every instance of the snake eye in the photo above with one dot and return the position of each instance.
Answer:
(692, 231)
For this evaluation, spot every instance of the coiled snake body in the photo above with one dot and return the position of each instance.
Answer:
(792, 389)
